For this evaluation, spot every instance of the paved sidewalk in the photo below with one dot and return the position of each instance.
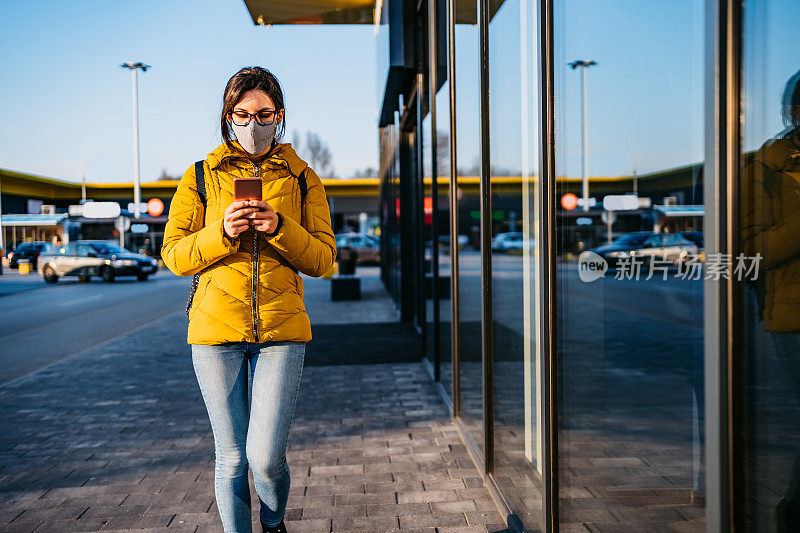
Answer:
(117, 439)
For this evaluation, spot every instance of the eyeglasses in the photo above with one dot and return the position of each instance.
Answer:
(242, 118)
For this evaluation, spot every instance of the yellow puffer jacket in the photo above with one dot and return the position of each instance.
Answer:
(771, 227)
(242, 296)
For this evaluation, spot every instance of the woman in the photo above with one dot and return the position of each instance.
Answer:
(248, 306)
(770, 228)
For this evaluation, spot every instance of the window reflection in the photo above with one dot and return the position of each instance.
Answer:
(629, 327)
(770, 224)
(468, 219)
(513, 119)
(445, 266)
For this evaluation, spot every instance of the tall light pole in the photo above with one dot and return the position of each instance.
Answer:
(134, 67)
(583, 64)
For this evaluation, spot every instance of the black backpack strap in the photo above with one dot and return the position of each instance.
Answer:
(201, 181)
(303, 185)
(301, 180)
(201, 192)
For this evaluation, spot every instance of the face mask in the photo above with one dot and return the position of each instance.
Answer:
(254, 137)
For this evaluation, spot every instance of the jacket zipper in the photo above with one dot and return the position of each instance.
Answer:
(255, 273)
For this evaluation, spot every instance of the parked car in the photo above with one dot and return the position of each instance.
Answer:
(444, 240)
(367, 247)
(647, 245)
(512, 240)
(88, 258)
(27, 250)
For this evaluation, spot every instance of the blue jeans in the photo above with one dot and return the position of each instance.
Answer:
(253, 432)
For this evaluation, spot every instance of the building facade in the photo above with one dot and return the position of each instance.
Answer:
(544, 167)
(24, 197)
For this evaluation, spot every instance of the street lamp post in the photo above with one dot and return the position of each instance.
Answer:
(134, 67)
(583, 64)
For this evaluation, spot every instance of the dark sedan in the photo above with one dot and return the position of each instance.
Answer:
(647, 246)
(26, 250)
(694, 236)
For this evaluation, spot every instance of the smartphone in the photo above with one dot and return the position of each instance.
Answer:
(247, 188)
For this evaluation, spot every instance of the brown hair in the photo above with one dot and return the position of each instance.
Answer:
(246, 79)
(790, 101)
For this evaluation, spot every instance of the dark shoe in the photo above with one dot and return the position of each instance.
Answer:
(278, 528)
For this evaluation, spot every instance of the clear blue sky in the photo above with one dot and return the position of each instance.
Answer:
(645, 97)
(66, 102)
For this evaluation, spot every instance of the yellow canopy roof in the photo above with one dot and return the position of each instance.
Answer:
(339, 11)
(311, 11)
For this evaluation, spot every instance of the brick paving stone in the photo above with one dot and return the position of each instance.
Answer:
(336, 511)
(427, 496)
(399, 486)
(432, 520)
(117, 439)
(463, 529)
(19, 526)
(365, 498)
(69, 526)
(194, 519)
(368, 524)
(397, 509)
(319, 525)
(453, 507)
(139, 522)
(57, 513)
(170, 529)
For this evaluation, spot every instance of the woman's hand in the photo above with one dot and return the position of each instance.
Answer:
(265, 219)
(235, 220)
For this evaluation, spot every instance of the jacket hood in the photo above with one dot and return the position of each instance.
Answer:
(283, 155)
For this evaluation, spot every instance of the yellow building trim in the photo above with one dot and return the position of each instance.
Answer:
(30, 185)
(45, 188)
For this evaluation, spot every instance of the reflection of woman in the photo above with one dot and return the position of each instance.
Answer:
(771, 227)
(248, 308)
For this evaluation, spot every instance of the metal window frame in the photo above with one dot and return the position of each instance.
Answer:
(723, 344)
(419, 214)
(487, 341)
(547, 266)
(432, 78)
(455, 316)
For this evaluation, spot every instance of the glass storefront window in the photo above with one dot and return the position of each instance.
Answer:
(629, 128)
(513, 155)
(389, 174)
(770, 224)
(445, 266)
(468, 219)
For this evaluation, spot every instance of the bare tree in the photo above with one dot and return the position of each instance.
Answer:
(442, 154)
(296, 141)
(319, 155)
(165, 176)
(367, 172)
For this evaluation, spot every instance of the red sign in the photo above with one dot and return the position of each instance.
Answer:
(427, 207)
(569, 201)
(155, 207)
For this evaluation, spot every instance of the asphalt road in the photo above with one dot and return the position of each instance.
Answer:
(43, 323)
(672, 300)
